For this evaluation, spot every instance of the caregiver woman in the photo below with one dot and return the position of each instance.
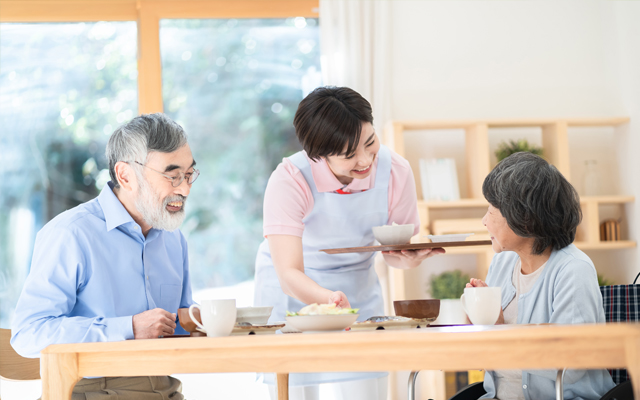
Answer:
(330, 195)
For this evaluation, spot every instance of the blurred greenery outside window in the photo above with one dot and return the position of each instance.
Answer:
(234, 86)
(64, 88)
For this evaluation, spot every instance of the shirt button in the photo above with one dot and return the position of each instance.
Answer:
(148, 279)
(524, 386)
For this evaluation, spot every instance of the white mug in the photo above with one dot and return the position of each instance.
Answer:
(218, 316)
(482, 304)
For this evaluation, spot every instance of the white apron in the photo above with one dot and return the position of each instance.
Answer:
(337, 220)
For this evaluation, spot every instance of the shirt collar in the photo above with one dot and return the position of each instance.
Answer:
(326, 181)
(114, 212)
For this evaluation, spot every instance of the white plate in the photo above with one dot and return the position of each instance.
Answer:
(321, 323)
(456, 237)
(394, 323)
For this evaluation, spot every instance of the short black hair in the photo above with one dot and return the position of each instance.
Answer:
(329, 119)
(536, 200)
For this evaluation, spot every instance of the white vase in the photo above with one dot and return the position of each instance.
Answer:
(451, 313)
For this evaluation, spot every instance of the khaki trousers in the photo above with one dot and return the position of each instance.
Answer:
(128, 388)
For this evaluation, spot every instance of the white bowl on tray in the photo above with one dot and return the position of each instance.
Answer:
(253, 315)
(455, 237)
(393, 234)
(321, 323)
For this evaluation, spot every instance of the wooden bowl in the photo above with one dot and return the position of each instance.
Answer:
(427, 308)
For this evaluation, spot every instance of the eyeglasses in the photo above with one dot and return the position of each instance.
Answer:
(177, 180)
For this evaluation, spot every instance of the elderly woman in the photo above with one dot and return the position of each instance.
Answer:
(532, 219)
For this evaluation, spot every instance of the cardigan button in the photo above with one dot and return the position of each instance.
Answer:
(524, 386)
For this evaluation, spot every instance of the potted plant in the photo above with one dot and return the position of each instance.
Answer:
(505, 149)
(448, 287)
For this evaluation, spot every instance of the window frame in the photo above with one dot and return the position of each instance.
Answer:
(147, 14)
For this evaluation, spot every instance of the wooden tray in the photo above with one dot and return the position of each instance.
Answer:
(410, 246)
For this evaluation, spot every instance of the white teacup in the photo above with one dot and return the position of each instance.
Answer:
(482, 304)
(218, 316)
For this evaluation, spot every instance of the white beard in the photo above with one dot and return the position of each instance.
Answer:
(158, 217)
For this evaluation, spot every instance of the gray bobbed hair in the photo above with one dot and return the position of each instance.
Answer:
(536, 200)
(134, 140)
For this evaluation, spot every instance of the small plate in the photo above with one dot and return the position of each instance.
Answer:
(391, 323)
(256, 329)
(321, 323)
(456, 237)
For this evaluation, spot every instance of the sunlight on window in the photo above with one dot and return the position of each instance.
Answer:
(63, 88)
(234, 85)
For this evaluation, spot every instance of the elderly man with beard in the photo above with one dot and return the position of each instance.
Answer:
(116, 267)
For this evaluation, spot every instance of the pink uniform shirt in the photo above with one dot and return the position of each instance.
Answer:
(288, 199)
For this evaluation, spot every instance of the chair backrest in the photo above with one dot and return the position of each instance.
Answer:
(12, 365)
(621, 304)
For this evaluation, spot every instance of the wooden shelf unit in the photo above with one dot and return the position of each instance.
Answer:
(555, 143)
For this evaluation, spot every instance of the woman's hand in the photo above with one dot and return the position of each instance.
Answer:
(480, 283)
(286, 252)
(339, 299)
(406, 259)
(476, 283)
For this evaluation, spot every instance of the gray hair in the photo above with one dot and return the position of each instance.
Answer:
(536, 200)
(146, 133)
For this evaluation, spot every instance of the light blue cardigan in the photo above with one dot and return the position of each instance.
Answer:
(566, 292)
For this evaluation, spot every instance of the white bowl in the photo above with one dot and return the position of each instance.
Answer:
(318, 323)
(456, 237)
(253, 315)
(393, 234)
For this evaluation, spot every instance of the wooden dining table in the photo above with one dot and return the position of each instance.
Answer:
(447, 348)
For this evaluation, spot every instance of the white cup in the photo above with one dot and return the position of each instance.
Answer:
(451, 313)
(482, 304)
(218, 316)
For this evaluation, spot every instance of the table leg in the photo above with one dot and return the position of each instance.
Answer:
(283, 386)
(633, 364)
(59, 374)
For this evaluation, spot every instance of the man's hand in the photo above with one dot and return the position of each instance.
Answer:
(153, 323)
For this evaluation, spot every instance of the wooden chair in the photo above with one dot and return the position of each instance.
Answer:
(14, 367)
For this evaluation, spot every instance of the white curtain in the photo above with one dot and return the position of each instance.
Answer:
(355, 46)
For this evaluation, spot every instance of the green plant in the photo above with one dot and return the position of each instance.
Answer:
(448, 285)
(602, 281)
(505, 149)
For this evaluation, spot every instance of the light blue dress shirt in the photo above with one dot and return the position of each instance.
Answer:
(566, 292)
(92, 270)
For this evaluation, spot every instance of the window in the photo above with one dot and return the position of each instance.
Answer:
(68, 79)
(64, 88)
(234, 85)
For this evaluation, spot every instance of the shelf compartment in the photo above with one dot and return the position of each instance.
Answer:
(471, 203)
(611, 199)
(608, 245)
(508, 123)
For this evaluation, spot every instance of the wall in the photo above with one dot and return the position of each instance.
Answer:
(625, 53)
(524, 59)
(521, 59)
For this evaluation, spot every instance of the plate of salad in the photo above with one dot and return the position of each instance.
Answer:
(322, 318)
